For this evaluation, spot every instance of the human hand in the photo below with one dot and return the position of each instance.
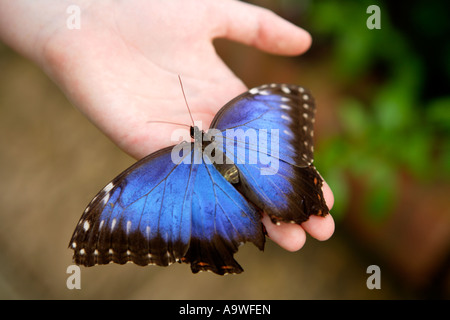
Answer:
(120, 68)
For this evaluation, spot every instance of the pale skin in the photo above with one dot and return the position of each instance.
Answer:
(120, 69)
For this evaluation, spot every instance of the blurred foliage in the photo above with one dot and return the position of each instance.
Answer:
(400, 126)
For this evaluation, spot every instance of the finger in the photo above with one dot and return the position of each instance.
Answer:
(328, 195)
(321, 228)
(292, 237)
(289, 236)
(261, 28)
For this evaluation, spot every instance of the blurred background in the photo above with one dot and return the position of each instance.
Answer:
(382, 141)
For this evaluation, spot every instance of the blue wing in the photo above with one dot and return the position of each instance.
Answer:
(276, 171)
(159, 211)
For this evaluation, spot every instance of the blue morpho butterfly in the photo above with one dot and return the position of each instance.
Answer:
(197, 202)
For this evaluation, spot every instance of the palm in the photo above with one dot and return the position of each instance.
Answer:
(128, 73)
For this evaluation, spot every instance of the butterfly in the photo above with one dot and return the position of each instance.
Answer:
(197, 202)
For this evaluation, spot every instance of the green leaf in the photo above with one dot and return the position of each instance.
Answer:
(354, 118)
(438, 113)
(381, 191)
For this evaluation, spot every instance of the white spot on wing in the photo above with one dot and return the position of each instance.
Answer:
(253, 91)
(105, 199)
(128, 226)
(108, 187)
(285, 89)
(86, 225)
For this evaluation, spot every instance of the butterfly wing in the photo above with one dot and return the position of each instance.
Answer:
(276, 168)
(161, 211)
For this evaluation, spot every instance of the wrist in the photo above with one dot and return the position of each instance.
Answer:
(30, 26)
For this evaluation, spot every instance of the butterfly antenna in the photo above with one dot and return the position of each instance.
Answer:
(185, 100)
(168, 122)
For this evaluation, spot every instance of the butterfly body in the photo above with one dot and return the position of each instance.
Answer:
(197, 202)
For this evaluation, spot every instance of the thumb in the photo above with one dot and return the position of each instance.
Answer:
(259, 27)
